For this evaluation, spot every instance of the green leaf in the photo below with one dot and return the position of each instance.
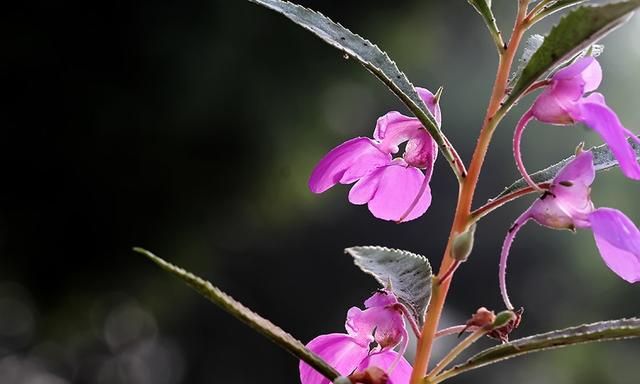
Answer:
(603, 160)
(484, 9)
(408, 274)
(556, 6)
(370, 56)
(244, 314)
(601, 331)
(575, 32)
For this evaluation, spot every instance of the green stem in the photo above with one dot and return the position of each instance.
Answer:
(455, 352)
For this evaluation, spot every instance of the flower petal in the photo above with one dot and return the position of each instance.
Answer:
(586, 70)
(432, 104)
(400, 374)
(603, 120)
(572, 183)
(381, 321)
(346, 163)
(421, 152)
(337, 349)
(397, 186)
(618, 240)
(394, 129)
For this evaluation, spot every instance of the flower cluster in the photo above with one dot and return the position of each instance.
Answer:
(564, 102)
(395, 189)
(567, 205)
(381, 325)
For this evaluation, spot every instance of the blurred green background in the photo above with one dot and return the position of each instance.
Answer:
(191, 128)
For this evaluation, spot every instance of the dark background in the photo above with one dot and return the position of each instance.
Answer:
(191, 129)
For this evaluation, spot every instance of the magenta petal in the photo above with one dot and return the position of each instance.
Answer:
(400, 374)
(571, 186)
(394, 128)
(604, 121)
(337, 349)
(432, 104)
(618, 240)
(346, 163)
(586, 70)
(392, 190)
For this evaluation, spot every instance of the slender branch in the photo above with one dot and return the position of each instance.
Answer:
(452, 269)
(410, 319)
(499, 202)
(455, 352)
(455, 330)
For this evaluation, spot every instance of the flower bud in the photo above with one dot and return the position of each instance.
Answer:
(463, 244)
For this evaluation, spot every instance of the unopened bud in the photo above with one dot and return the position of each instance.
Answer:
(463, 244)
(503, 318)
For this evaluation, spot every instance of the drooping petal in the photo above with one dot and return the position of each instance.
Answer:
(586, 71)
(603, 120)
(432, 104)
(398, 374)
(618, 240)
(346, 163)
(394, 192)
(337, 349)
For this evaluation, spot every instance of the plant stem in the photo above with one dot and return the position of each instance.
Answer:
(457, 350)
(497, 203)
(465, 198)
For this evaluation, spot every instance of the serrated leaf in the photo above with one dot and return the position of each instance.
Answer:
(244, 314)
(557, 6)
(408, 274)
(367, 54)
(601, 331)
(575, 32)
(603, 160)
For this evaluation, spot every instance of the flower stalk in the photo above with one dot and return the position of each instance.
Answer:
(495, 112)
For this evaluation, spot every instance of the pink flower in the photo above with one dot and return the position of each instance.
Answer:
(567, 205)
(564, 102)
(394, 189)
(380, 323)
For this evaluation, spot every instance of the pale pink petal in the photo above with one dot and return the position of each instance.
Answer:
(603, 120)
(618, 240)
(432, 104)
(586, 70)
(398, 187)
(346, 163)
(337, 349)
(398, 374)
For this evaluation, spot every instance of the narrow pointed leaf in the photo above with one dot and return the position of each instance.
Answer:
(244, 314)
(602, 160)
(484, 9)
(557, 6)
(575, 32)
(601, 331)
(408, 274)
(367, 54)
